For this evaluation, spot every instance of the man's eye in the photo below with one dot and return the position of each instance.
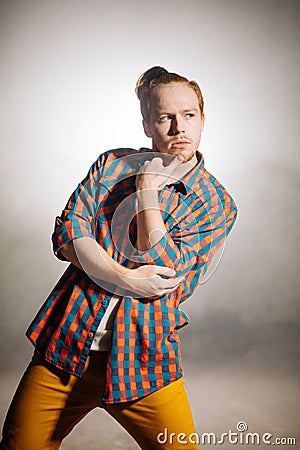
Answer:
(190, 115)
(165, 118)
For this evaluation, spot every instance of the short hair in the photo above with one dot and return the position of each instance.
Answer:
(158, 76)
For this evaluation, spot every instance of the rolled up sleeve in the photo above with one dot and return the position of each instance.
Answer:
(78, 217)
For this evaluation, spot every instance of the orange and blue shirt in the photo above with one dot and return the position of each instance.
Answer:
(145, 355)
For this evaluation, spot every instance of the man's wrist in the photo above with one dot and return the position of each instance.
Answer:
(148, 198)
(121, 271)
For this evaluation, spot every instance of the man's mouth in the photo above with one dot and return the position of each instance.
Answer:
(181, 143)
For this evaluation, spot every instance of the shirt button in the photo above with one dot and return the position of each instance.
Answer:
(90, 334)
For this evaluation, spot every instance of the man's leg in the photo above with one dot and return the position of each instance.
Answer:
(162, 420)
(49, 403)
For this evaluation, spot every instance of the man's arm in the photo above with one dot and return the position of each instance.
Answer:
(202, 230)
(151, 226)
(74, 240)
(145, 281)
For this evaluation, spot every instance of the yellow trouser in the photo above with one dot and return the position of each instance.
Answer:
(49, 403)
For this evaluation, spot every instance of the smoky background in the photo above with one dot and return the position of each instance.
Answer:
(68, 71)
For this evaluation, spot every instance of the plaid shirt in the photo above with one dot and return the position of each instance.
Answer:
(145, 354)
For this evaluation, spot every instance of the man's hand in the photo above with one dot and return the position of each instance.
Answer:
(154, 175)
(148, 281)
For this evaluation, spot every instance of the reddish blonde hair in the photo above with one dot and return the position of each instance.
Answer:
(158, 76)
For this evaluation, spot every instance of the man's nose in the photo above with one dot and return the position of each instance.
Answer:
(178, 125)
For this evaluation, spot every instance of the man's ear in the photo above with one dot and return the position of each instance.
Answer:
(202, 121)
(147, 129)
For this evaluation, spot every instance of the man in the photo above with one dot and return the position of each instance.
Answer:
(139, 231)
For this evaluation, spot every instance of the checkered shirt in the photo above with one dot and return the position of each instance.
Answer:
(145, 353)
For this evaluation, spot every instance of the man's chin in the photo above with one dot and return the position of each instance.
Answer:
(187, 154)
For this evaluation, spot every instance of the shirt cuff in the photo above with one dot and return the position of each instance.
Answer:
(66, 232)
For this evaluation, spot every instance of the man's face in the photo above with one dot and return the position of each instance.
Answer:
(175, 123)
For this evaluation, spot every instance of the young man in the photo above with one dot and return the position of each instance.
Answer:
(139, 231)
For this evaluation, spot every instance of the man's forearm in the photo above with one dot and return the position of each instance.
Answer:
(152, 176)
(144, 281)
(151, 226)
(86, 254)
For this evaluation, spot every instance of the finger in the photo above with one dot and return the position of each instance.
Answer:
(166, 291)
(154, 164)
(175, 162)
(143, 167)
(157, 160)
(165, 271)
(171, 283)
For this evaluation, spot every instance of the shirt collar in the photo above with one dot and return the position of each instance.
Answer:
(192, 178)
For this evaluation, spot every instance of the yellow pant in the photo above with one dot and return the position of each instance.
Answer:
(49, 403)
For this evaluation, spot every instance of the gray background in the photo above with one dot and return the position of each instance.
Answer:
(68, 70)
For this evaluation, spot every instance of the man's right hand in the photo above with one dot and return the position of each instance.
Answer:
(145, 281)
(148, 281)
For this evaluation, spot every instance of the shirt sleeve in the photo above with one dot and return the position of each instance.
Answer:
(189, 249)
(78, 217)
